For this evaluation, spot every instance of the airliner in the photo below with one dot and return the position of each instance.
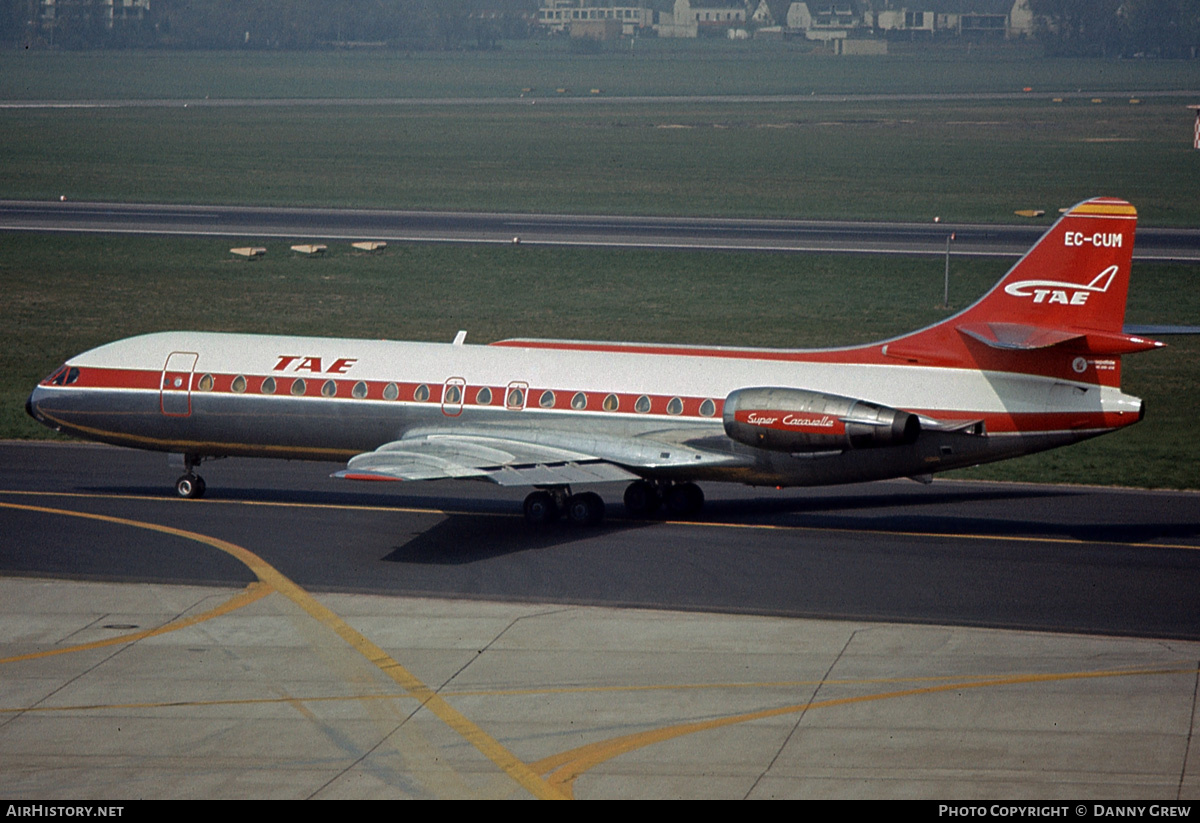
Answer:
(1032, 365)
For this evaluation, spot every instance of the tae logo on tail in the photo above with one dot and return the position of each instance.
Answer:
(1055, 291)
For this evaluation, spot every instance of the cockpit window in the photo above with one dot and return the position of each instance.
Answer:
(63, 376)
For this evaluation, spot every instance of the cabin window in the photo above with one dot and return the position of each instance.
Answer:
(546, 401)
(611, 403)
(268, 386)
(206, 383)
(484, 397)
(359, 391)
(708, 408)
(579, 401)
(298, 387)
(329, 388)
(642, 405)
(391, 391)
(516, 399)
(453, 394)
(675, 406)
(239, 384)
(421, 394)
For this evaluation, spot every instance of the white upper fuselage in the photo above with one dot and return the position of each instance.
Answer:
(949, 393)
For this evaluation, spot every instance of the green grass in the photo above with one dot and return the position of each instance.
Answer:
(882, 158)
(870, 160)
(67, 294)
(647, 67)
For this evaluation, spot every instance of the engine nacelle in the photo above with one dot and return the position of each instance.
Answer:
(798, 420)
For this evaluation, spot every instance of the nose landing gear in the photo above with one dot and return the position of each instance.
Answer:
(190, 485)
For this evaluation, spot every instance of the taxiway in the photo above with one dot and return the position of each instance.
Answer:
(928, 238)
(296, 636)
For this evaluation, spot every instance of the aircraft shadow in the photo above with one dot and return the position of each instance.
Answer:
(1086, 520)
(466, 538)
(469, 531)
(307, 497)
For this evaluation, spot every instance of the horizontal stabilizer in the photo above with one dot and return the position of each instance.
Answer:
(1023, 337)
(1017, 336)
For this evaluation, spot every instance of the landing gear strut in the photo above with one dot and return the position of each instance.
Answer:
(548, 505)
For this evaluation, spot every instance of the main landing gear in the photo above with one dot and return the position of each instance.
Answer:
(548, 505)
(645, 498)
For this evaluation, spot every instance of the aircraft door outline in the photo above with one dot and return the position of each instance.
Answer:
(175, 387)
(453, 394)
(516, 395)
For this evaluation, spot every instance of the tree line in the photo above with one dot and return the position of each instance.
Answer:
(267, 24)
(1118, 28)
(1103, 28)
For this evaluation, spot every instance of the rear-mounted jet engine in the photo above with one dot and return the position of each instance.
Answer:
(797, 420)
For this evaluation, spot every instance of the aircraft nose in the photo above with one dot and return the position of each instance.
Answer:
(31, 405)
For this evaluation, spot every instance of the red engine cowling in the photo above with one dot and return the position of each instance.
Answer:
(798, 420)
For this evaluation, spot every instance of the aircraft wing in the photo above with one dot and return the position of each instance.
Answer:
(529, 458)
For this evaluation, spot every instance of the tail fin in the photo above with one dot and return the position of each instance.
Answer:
(1068, 291)
(1075, 277)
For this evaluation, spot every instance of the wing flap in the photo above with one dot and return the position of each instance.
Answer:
(559, 474)
(528, 458)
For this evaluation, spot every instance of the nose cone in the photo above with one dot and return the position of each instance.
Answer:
(31, 405)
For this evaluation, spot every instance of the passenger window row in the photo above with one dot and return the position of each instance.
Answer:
(455, 394)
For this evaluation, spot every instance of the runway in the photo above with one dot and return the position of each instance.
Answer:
(296, 636)
(555, 229)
